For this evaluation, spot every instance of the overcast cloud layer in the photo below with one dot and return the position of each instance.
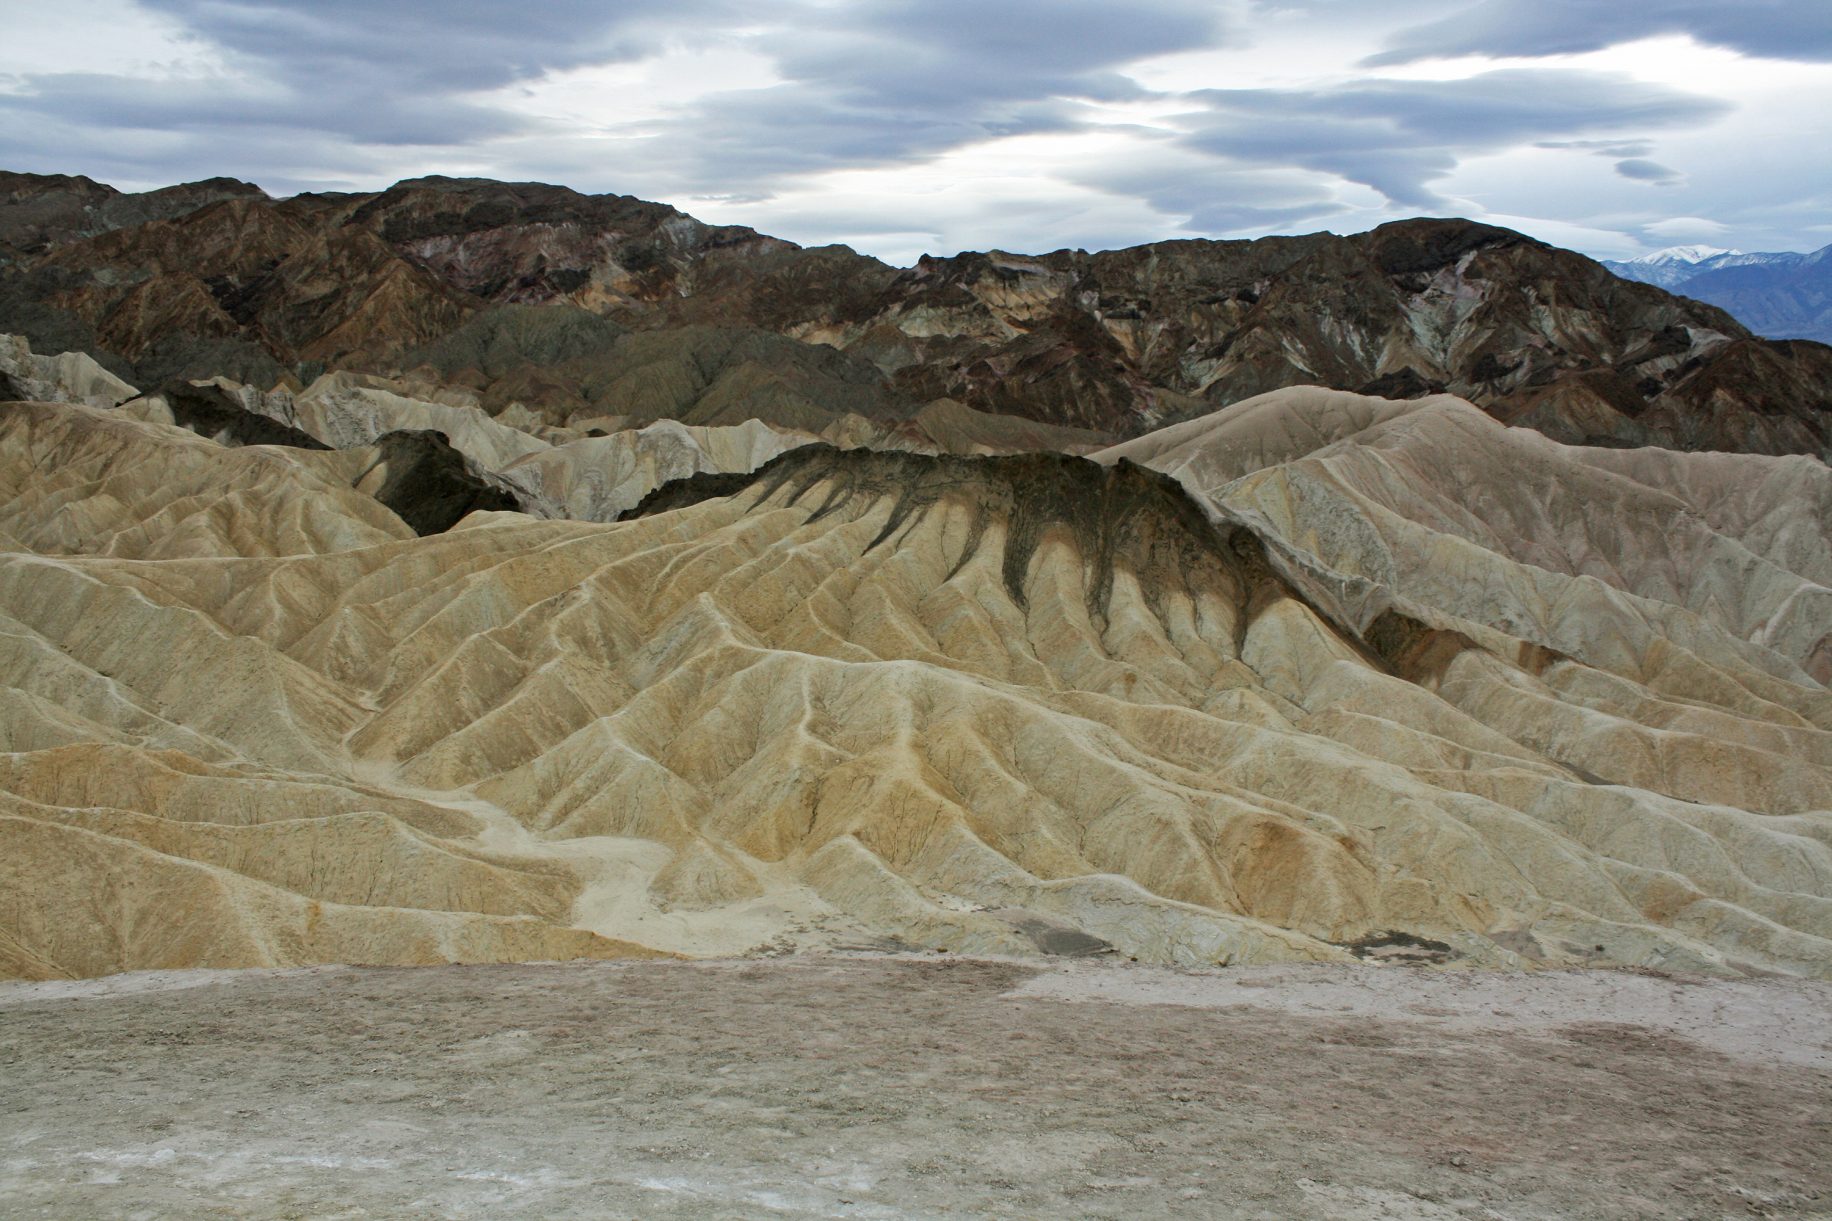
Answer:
(905, 126)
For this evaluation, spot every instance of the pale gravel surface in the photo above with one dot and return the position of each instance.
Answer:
(882, 1086)
(1773, 1022)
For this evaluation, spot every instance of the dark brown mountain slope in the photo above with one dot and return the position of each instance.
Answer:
(1113, 342)
(1524, 329)
(38, 211)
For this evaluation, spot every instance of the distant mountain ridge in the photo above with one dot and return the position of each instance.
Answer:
(579, 306)
(1780, 294)
(1675, 264)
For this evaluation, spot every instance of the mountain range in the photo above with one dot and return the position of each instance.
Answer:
(1785, 295)
(484, 572)
(579, 306)
(1674, 265)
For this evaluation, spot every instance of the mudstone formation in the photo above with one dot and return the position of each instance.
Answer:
(482, 572)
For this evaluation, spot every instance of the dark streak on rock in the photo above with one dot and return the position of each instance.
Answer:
(1117, 515)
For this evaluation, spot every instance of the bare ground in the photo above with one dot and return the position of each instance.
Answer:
(908, 1086)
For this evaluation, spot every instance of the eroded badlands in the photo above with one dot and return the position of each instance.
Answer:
(1307, 676)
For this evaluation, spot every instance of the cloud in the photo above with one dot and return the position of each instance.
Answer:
(876, 84)
(1631, 158)
(1210, 195)
(330, 89)
(1397, 136)
(862, 84)
(135, 104)
(397, 48)
(759, 138)
(1642, 170)
(1035, 123)
(1773, 29)
(937, 51)
(1603, 148)
(1682, 227)
(282, 160)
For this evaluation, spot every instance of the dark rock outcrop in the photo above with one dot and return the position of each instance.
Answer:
(213, 412)
(428, 484)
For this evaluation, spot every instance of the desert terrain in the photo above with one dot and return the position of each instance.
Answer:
(516, 703)
(871, 1085)
(1269, 685)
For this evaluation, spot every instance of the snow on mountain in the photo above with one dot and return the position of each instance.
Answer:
(1680, 254)
(1780, 294)
(1675, 265)
(1783, 297)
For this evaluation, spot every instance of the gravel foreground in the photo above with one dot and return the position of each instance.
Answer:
(882, 1086)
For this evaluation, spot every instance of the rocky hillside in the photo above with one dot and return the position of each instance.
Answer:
(39, 211)
(576, 306)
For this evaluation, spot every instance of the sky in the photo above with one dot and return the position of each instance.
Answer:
(904, 127)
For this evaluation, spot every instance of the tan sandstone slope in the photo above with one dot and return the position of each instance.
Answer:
(1349, 668)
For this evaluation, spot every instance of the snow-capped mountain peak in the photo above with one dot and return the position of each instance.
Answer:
(1675, 265)
(1680, 254)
